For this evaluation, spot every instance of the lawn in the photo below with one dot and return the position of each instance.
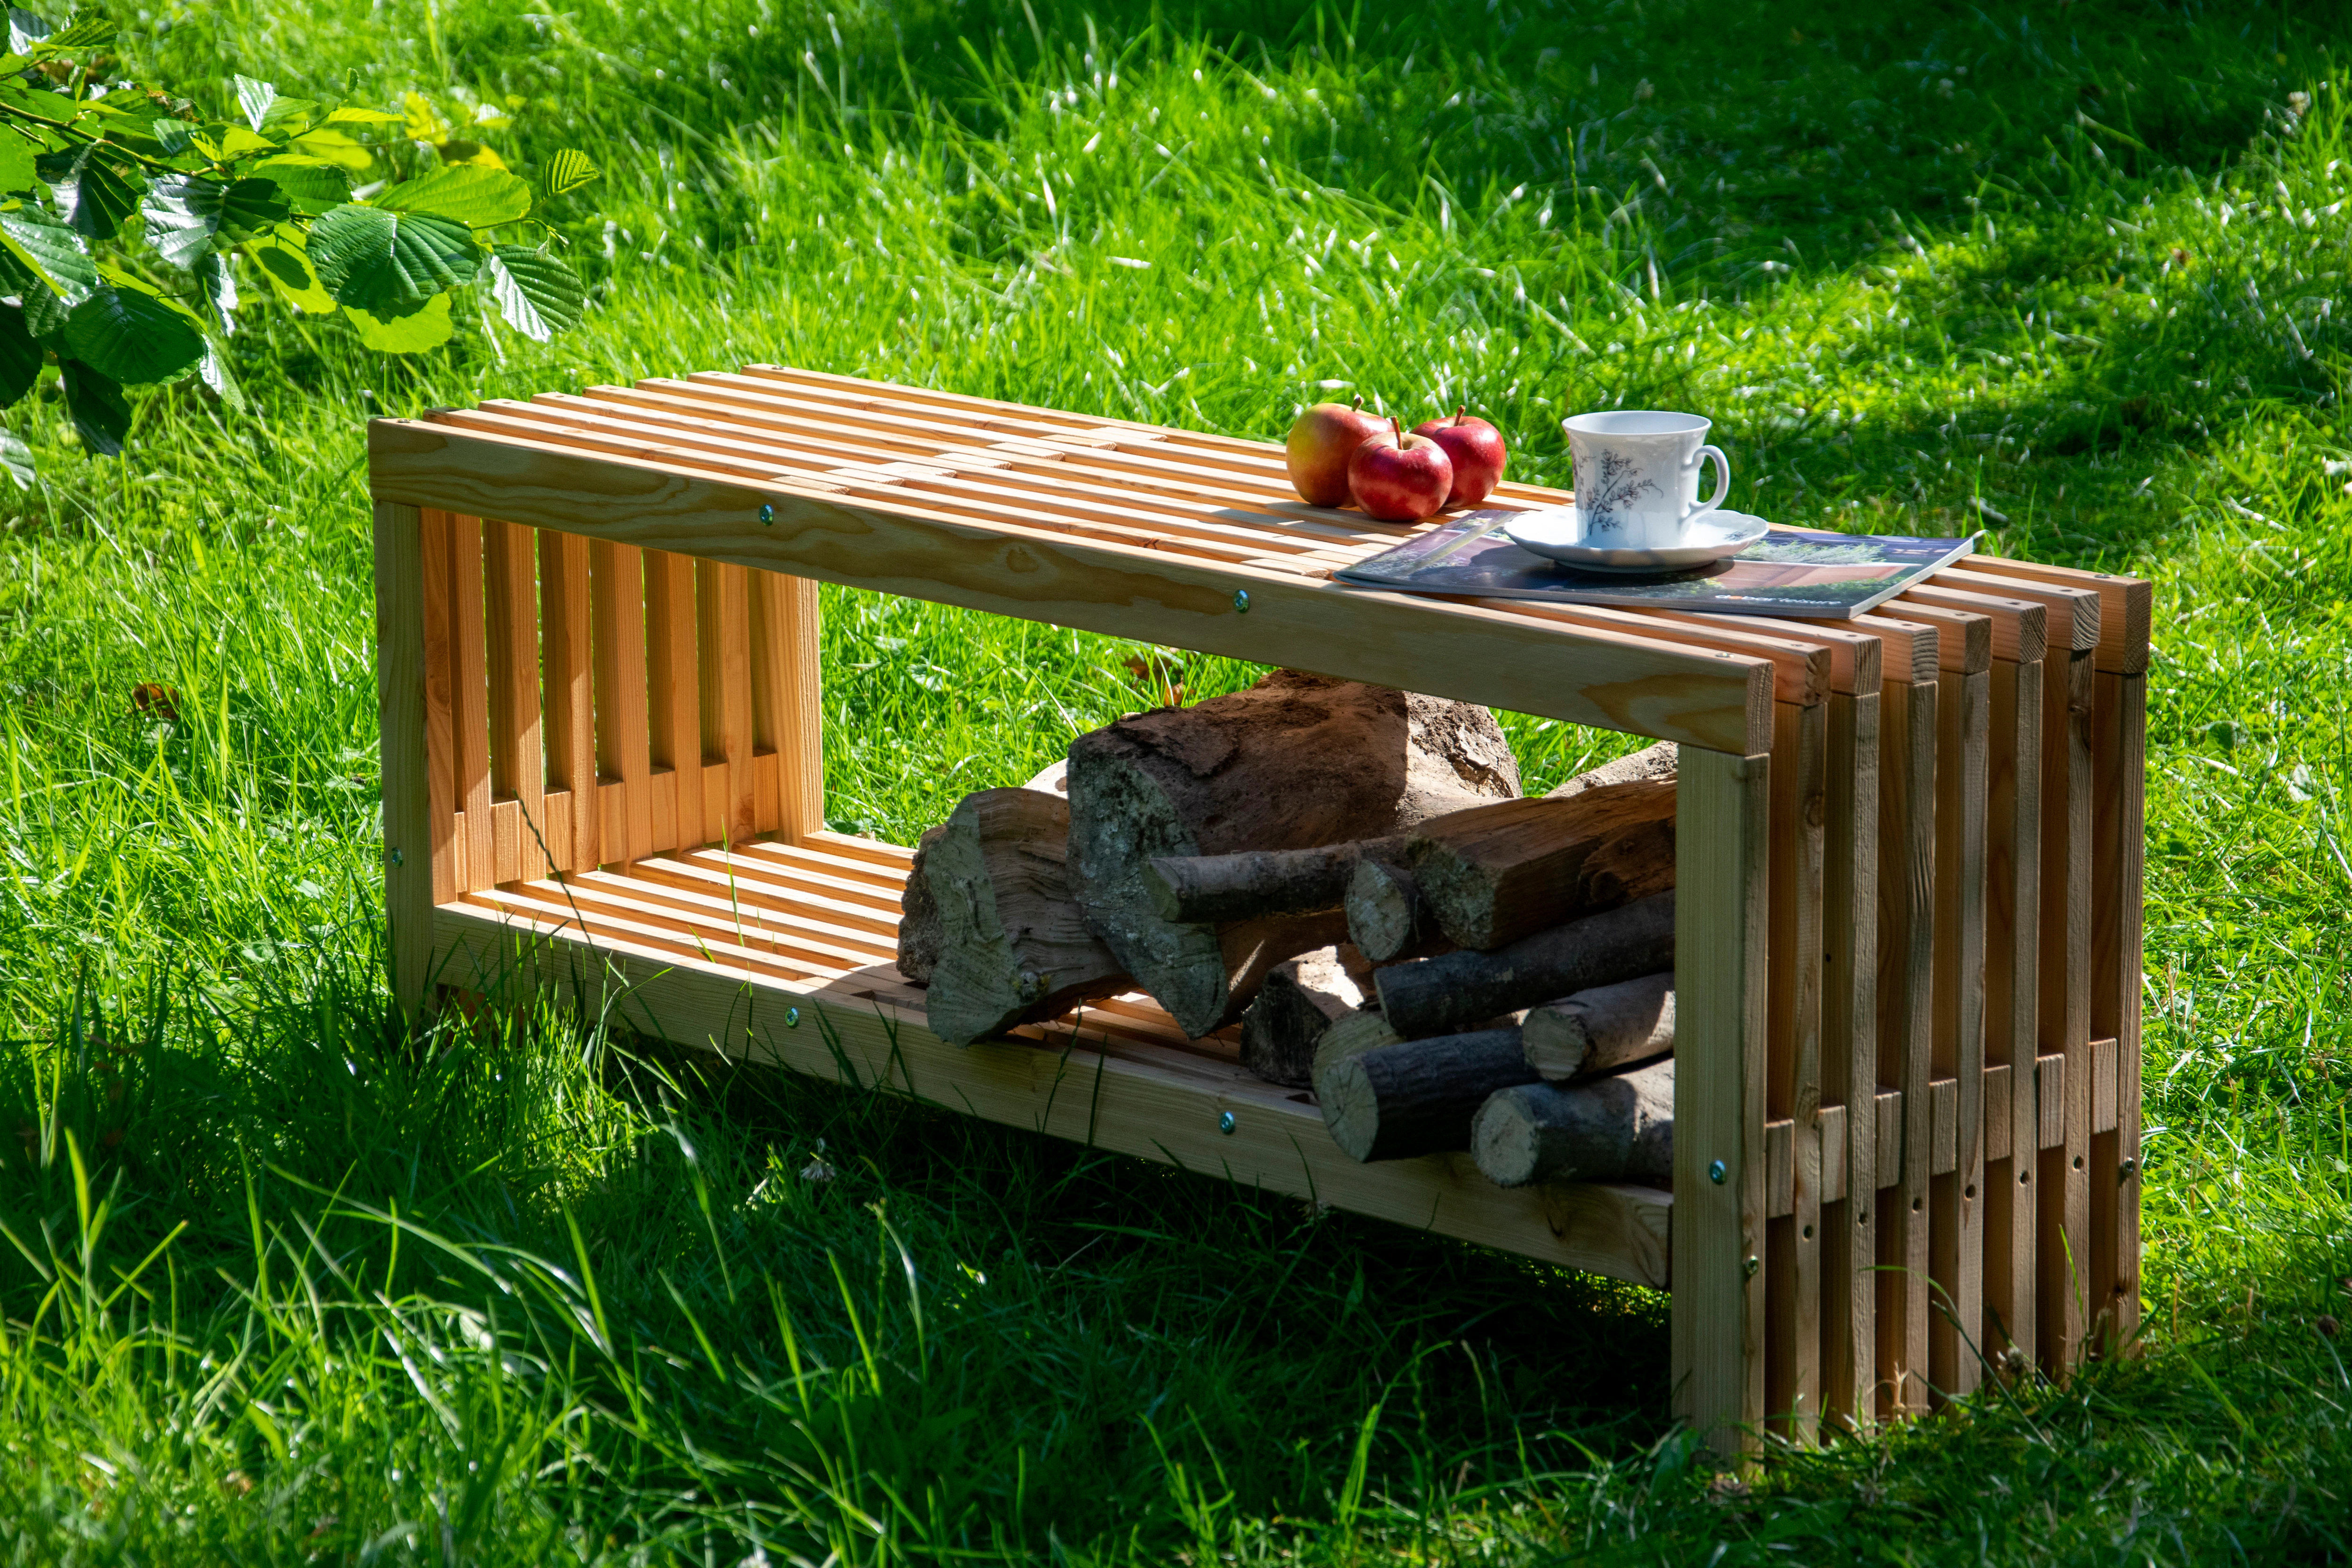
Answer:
(280, 1286)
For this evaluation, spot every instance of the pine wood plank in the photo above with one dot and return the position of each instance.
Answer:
(1964, 645)
(570, 704)
(2074, 613)
(2013, 994)
(1722, 823)
(1496, 657)
(2119, 834)
(1166, 1109)
(1850, 1056)
(417, 820)
(469, 699)
(518, 750)
(787, 701)
(435, 536)
(1906, 948)
(2064, 1026)
(673, 701)
(2127, 607)
(2021, 628)
(723, 622)
(617, 589)
(1955, 1212)
(1794, 878)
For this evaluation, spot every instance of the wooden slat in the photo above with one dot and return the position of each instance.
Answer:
(435, 538)
(1723, 819)
(2074, 613)
(1850, 1055)
(787, 704)
(1792, 1252)
(1494, 655)
(2012, 949)
(1906, 948)
(673, 701)
(2118, 752)
(2064, 1026)
(1965, 644)
(570, 704)
(1955, 1226)
(2021, 628)
(469, 699)
(617, 585)
(418, 821)
(518, 754)
(723, 622)
(2126, 608)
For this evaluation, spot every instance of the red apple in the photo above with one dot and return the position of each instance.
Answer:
(1476, 450)
(1399, 479)
(1325, 437)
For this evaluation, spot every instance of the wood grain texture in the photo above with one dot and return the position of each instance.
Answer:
(787, 698)
(1164, 1106)
(617, 588)
(2074, 613)
(469, 699)
(1493, 654)
(1955, 1207)
(1850, 1056)
(1721, 915)
(517, 749)
(2012, 995)
(570, 698)
(2127, 607)
(435, 538)
(2118, 852)
(1792, 1088)
(1906, 950)
(723, 657)
(414, 808)
(1964, 643)
(2020, 628)
(673, 701)
(2064, 1027)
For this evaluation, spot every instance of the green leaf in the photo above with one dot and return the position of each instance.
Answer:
(227, 143)
(216, 286)
(255, 98)
(349, 116)
(26, 29)
(131, 337)
(18, 458)
(568, 171)
(287, 116)
(101, 416)
(372, 259)
(215, 372)
(96, 198)
(175, 136)
(184, 214)
(336, 147)
(83, 33)
(538, 294)
(311, 185)
(428, 328)
(252, 205)
(468, 194)
(53, 251)
(281, 260)
(20, 357)
(17, 174)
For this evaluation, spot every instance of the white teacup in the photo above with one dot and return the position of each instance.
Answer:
(1637, 475)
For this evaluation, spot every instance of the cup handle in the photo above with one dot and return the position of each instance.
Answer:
(1722, 482)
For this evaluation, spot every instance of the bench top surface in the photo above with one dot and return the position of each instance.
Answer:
(1172, 536)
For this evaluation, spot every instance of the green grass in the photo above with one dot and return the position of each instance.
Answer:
(281, 1288)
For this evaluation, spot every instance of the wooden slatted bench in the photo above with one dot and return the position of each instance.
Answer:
(1907, 1100)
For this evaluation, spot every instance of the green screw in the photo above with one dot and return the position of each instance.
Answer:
(1241, 600)
(767, 514)
(791, 1018)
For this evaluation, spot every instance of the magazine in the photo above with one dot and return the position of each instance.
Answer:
(1802, 573)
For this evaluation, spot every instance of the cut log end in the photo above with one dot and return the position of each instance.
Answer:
(1387, 920)
(1618, 1128)
(1602, 1030)
(1435, 995)
(1302, 1001)
(1416, 1097)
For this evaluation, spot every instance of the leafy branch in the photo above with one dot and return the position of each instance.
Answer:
(128, 216)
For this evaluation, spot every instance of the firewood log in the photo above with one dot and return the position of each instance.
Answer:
(1433, 995)
(1615, 1128)
(1494, 873)
(1303, 997)
(1352, 1036)
(1418, 1096)
(1387, 920)
(1297, 761)
(1602, 1029)
(1652, 762)
(919, 913)
(1213, 888)
(1014, 945)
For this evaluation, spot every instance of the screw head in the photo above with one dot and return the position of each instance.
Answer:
(2129, 1168)
(1716, 1173)
(398, 858)
(1241, 600)
(791, 1018)
(1225, 1122)
(767, 514)
(1752, 1265)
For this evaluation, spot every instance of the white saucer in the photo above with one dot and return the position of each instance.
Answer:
(1558, 533)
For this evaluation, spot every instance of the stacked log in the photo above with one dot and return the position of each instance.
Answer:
(1304, 998)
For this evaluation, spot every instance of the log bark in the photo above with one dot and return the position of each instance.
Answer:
(1198, 889)
(1617, 1128)
(1602, 1029)
(1297, 761)
(1651, 762)
(1435, 995)
(919, 913)
(1301, 1001)
(1418, 1096)
(1387, 920)
(1014, 946)
(1494, 874)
